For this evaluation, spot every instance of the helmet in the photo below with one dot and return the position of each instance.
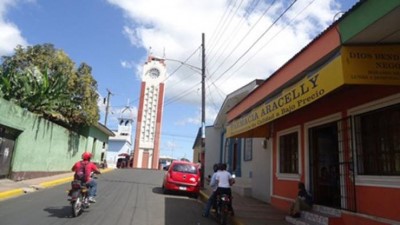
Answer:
(86, 156)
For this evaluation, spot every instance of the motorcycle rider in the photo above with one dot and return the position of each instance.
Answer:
(87, 167)
(225, 181)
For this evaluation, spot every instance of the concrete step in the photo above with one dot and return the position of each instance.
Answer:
(327, 210)
(299, 221)
(320, 215)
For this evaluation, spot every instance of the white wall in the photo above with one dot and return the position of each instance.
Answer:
(114, 149)
(212, 154)
(261, 172)
(246, 166)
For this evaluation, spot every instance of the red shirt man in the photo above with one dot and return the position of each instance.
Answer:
(89, 168)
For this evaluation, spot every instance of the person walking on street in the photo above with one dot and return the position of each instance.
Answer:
(225, 181)
(212, 199)
(302, 202)
(83, 170)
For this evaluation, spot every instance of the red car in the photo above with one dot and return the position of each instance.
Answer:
(182, 176)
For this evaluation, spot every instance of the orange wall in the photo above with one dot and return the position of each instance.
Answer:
(369, 199)
(379, 201)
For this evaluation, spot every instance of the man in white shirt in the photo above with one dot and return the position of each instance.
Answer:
(225, 181)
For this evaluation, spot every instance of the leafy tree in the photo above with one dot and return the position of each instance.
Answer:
(44, 80)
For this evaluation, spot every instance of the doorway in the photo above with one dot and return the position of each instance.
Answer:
(7, 142)
(324, 165)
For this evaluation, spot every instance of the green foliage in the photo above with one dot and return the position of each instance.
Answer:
(44, 80)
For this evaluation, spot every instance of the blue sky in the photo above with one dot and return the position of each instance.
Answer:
(245, 40)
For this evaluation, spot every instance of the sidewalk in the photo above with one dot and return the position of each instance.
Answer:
(249, 211)
(10, 188)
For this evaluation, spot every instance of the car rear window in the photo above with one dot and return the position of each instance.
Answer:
(184, 168)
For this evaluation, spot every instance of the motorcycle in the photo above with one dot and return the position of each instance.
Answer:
(78, 196)
(222, 211)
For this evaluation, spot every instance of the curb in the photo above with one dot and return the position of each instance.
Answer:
(204, 197)
(11, 193)
(53, 183)
(20, 191)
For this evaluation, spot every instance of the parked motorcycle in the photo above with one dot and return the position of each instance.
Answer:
(78, 196)
(222, 211)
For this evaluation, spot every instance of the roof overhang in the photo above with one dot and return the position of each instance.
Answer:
(104, 129)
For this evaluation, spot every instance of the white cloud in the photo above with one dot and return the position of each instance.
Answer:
(240, 46)
(10, 35)
(210, 114)
(127, 64)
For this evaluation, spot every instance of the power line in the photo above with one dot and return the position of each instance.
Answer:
(245, 36)
(258, 39)
(210, 96)
(181, 95)
(228, 36)
(227, 43)
(223, 21)
(182, 63)
(268, 42)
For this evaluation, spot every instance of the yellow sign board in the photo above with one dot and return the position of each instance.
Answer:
(304, 92)
(378, 65)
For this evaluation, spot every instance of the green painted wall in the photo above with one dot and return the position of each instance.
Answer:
(367, 13)
(43, 146)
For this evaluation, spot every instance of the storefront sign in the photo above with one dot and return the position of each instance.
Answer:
(376, 65)
(372, 65)
(304, 92)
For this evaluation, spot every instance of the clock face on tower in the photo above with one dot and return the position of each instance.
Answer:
(154, 72)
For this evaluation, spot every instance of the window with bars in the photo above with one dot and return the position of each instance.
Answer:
(377, 136)
(288, 153)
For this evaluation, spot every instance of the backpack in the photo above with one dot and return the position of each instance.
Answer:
(81, 173)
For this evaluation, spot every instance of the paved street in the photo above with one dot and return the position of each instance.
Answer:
(124, 197)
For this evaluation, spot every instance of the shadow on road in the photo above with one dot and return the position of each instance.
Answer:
(63, 212)
(157, 190)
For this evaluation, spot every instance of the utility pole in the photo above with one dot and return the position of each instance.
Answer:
(203, 108)
(107, 106)
(203, 88)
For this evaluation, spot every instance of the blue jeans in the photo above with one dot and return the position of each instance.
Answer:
(210, 202)
(92, 184)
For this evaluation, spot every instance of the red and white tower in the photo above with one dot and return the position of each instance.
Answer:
(149, 120)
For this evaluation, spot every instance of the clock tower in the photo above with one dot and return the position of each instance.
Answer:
(150, 110)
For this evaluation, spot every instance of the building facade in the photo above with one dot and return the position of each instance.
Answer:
(31, 146)
(332, 116)
(243, 156)
(150, 111)
(120, 146)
